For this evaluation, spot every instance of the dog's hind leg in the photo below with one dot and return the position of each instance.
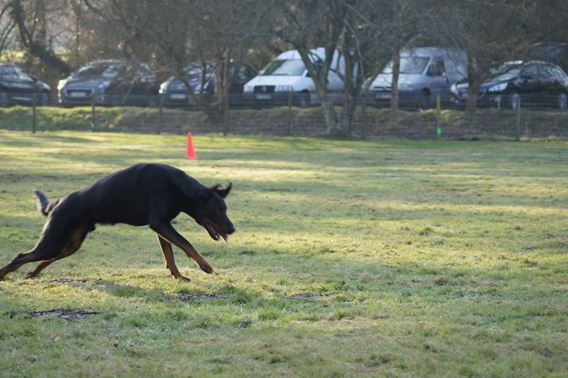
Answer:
(35, 254)
(71, 247)
(169, 257)
(166, 231)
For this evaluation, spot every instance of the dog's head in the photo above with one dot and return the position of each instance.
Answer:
(212, 212)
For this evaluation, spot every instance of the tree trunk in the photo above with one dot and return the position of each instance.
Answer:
(394, 89)
(472, 94)
(330, 116)
(474, 83)
(225, 97)
(29, 41)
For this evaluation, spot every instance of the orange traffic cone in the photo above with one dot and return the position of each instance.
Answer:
(191, 154)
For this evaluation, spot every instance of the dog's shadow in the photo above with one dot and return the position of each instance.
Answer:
(121, 290)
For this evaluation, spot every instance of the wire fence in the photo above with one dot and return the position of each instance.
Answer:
(509, 117)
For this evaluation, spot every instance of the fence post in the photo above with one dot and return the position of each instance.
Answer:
(161, 114)
(364, 118)
(289, 115)
(93, 114)
(34, 113)
(438, 116)
(518, 117)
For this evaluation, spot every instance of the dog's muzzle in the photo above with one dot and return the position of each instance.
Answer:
(215, 231)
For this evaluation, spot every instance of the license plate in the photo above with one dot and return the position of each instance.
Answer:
(77, 94)
(263, 97)
(178, 96)
(383, 96)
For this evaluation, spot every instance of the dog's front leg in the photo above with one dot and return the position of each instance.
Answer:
(166, 231)
(166, 247)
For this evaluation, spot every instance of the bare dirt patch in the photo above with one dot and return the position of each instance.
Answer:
(64, 314)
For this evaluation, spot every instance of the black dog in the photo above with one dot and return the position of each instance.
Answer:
(144, 194)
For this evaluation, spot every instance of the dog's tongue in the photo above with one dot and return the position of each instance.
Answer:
(225, 237)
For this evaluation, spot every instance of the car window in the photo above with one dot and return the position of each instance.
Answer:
(194, 72)
(507, 73)
(13, 72)
(436, 67)
(559, 73)
(286, 67)
(409, 65)
(319, 67)
(533, 71)
(548, 73)
(242, 74)
(95, 70)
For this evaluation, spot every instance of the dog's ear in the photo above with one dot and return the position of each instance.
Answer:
(222, 192)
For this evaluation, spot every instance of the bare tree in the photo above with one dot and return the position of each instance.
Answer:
(7, 25)
(176, 33)
(489, 31)
(30, 20)
(342, 29)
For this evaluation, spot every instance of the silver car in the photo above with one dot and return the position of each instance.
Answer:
(425, 72)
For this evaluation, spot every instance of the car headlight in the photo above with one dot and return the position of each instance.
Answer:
(498, 88)
(103, 85)
(284, 88)
(163, 87)
(61, 84)
(454, 89)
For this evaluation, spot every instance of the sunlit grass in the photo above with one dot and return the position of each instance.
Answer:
(399, 258)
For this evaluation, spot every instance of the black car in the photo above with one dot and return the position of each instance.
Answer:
(174, 92)
(18, 87)
(532, 83)
(111, 83)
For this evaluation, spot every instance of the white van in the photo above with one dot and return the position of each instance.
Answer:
(425, 72)
(287, 74)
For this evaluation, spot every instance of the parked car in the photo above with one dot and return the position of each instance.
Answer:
(535, 83)
(174, 92)
(425, 72)
(110, 82)
(287, 74)
(18, 87)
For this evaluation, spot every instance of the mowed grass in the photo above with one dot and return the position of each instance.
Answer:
(394, 258)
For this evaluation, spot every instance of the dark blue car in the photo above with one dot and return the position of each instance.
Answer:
(532, 83)
(202, 81)
(18, 87)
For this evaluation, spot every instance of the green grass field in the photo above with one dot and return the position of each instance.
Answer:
(393, 258)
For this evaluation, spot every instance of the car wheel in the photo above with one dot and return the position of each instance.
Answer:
(425, 101)
(514, 100)
(305, 100)
(562, 101)
(4, 101)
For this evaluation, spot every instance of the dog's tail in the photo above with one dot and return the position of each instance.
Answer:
(43, 205)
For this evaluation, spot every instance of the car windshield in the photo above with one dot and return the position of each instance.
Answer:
(507, 73)
(14, 73)
(288, 67)
(409, 65)
(95, 70)
(194, 73)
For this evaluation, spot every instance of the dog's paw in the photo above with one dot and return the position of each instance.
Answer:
(182, 278)
(206, 268)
